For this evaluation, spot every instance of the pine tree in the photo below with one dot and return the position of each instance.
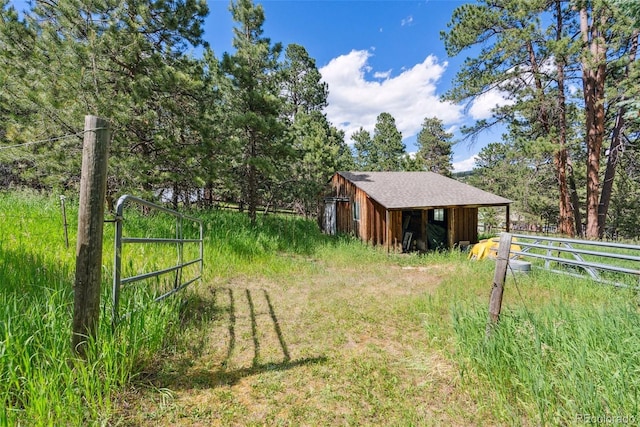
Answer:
(365, 154)
(533, 65)
(388, 145)
(320, 147)
(122, 60)
(434, 147)
(508, 169)
(302, 83)
(255, 106)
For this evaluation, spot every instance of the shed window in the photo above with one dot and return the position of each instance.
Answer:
(356, 210)
(438, 215)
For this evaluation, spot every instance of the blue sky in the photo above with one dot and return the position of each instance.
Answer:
(376, 56)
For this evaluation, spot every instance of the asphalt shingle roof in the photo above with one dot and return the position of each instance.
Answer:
(403, 190)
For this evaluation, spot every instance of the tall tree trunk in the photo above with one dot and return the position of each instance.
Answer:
(575, 200)
(208, 195)
(567, 224)
(615, 148)
(593, 77)
(175, 196)
(252, 181)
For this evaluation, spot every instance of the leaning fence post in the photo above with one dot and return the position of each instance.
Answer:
(64, 222)
(93, 185)
(497, 289)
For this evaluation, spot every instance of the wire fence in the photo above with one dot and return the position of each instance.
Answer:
(55, 227)
(47, 140)
(41, 141)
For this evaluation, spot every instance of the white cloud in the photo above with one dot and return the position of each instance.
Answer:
(356, 100)
(482, 106)
(465, 165)
(407, 21)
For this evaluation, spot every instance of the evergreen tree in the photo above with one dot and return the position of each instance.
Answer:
(345, 161)
(434, 147)
(630, 100)
(255, 106)
(365, 154)
(302, 83)
(217, 172)
(387, 143)
(122, 60)
(625, 200)
(411, 163)
(320, 147)
(533, 65)
(512, 172)
(515, 47)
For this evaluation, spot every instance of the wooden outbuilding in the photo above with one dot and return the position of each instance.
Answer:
(406, 210)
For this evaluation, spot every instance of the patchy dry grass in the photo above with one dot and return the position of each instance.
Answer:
(334, 342)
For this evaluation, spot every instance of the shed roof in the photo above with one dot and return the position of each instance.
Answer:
(404, 190)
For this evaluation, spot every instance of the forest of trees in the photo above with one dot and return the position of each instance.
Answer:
(570, 72)
(249, 128)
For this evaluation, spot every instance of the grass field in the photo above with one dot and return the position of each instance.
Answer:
(41, 382)
(290, 327)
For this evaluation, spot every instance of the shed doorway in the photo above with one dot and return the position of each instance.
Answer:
(437, 237)
(413, 231)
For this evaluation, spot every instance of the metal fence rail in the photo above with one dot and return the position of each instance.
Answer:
(592, 257)
(179, 240)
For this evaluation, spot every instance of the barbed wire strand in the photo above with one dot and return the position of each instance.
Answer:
(24, 217)
(43, 141)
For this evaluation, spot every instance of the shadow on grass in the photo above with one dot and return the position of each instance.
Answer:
(221, 309)
(212, 378)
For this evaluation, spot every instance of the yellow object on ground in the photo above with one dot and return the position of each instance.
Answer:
(488, 248)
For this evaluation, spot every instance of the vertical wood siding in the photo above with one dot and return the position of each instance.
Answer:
(372, 225)
(465, 225)
(395, 230)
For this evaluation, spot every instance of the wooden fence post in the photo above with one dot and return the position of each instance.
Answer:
(93, 184)
(497, 289)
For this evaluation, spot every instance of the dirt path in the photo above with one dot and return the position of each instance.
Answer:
(334, 346)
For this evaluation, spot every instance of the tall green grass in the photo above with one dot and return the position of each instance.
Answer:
(564, 348)
(41, 381)
(558, 362)
(234, 247)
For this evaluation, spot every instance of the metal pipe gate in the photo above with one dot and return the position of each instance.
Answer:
(179, 240)
(593, 257)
